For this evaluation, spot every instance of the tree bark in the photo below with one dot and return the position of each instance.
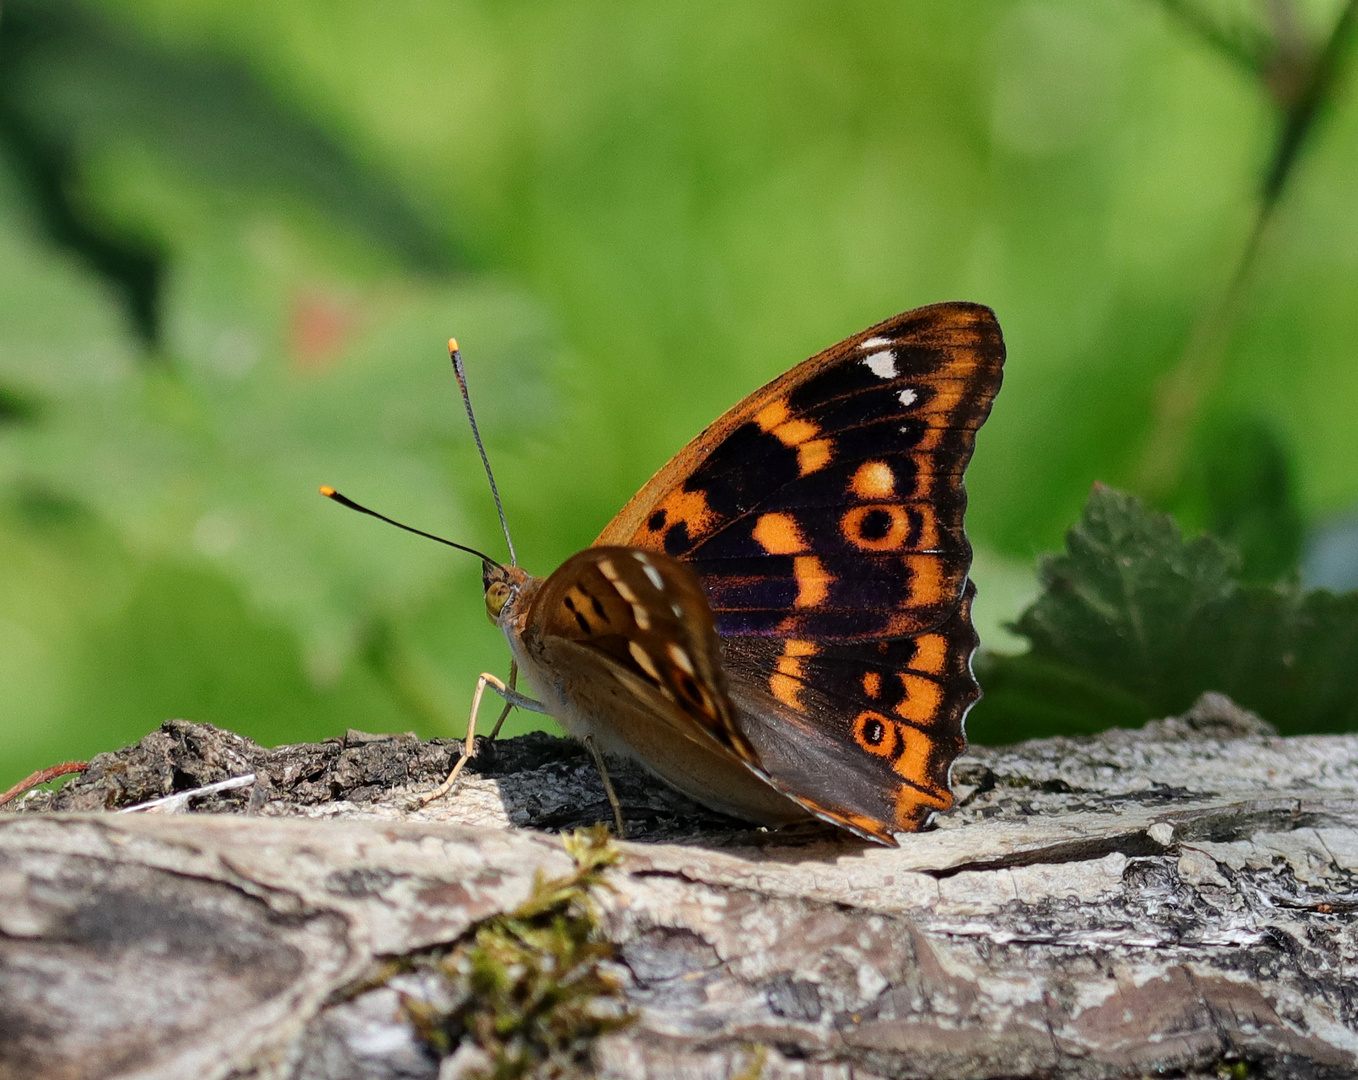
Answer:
(1180, 900)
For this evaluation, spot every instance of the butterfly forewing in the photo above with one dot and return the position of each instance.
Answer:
(829, 504)
(823, 516)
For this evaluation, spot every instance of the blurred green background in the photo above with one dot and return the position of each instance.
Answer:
(235, 235)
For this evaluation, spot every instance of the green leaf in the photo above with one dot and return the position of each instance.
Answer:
(1289, 655)
(1119, 603)
(1136, 622)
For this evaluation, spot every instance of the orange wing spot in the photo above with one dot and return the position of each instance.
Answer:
(644, 661)
(814, 455)
(777, 419)
(927, 582)
(946, 398)
(786, 682)
(876, 528)
(787, 690)
(681, 659)
(924, 477)
(796, 432)
(932, 437)
(871, 826)
(914, 807)
(923, 699)
(931, 654)
(582, 613)
(778, 534)
(772, 414)
(690, 508)
(913, 765)
(872, 683)
(813, 581)
(873, 480)
(928, 529)
(708, 707)
(876, 733)
(961, 364)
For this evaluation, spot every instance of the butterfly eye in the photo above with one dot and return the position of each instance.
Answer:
(497, 596)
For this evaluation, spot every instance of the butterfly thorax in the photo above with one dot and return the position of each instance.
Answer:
(620, 645)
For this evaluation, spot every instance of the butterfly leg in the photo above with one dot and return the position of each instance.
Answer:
(608, 787)
(512, 697)
(513, 682)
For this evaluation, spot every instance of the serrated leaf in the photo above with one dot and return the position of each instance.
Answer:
(1119, 603)
(1136, 622)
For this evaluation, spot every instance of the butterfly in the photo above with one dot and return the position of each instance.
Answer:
(778, 624)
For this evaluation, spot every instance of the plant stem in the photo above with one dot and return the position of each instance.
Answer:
(1301, 84)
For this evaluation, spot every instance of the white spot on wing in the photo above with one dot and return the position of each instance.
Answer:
(610, 571)
(651, 572)
(874, 343)
(883, 364)
(680, 657)
(642, 617)
(643, 659)
(907, 396)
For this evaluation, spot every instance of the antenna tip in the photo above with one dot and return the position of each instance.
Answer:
(328, 491)
(452, 345)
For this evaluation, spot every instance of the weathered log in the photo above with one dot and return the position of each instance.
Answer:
(1180, 900)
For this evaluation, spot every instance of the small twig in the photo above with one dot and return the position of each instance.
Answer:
(42, 776)
(1313, 92)
(173, 804)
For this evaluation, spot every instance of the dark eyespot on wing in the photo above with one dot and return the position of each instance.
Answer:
(876, 524)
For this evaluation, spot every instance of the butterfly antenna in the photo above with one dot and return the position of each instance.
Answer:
(455, 354)
(344, 500)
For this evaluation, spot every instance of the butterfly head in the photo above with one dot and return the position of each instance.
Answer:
(504, 586)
